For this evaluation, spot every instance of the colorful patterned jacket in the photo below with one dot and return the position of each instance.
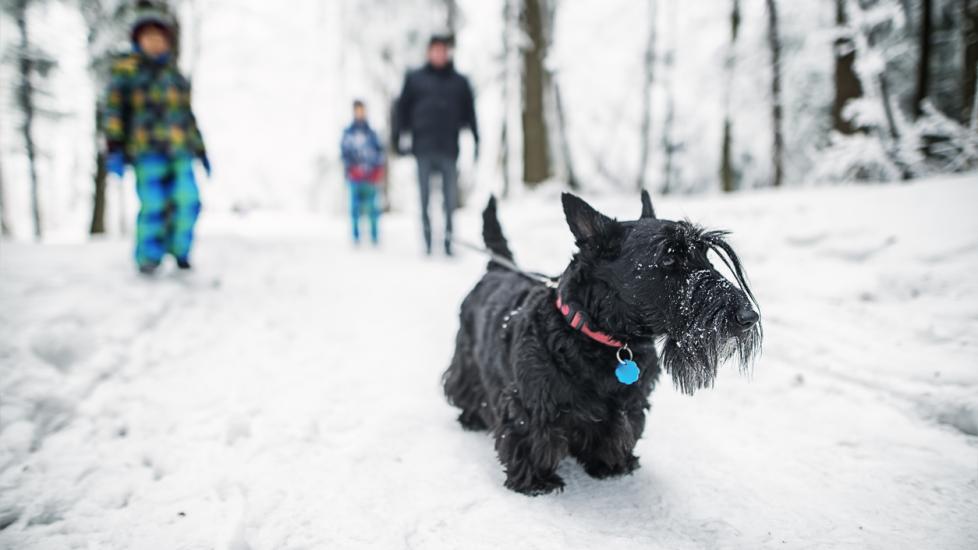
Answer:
(147, 109)
(362, 152)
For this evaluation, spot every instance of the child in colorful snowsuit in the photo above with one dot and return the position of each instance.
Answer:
(363, 160)
(149, 124)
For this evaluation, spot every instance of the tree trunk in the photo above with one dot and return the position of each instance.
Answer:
(923, 66)
(973, 124)
(196, 38)
(25, 101)
(564, 141)
(847, 86)
(777, 115)
(504, 131)
(727, 179)
(969, 67)
(97, 17)
(504, 155)
(4, 227)
(645, 133)
(889, 136)
(727, 174)
(668, 147)
(891, 125)
(123, 214)
(451, 16)
(536, 149)
(98, 199)
(894, 131)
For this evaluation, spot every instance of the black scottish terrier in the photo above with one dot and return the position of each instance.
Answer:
(566, 369)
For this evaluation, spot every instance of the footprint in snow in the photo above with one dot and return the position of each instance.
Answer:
(805, 240)
(63, 342)
(859, 252)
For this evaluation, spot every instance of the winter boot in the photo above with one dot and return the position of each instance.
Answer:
(148, 268)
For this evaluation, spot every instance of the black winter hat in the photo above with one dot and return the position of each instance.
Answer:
(441, 38)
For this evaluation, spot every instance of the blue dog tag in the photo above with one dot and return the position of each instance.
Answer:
(627, 372)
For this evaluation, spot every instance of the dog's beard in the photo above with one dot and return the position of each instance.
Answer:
(704, 339)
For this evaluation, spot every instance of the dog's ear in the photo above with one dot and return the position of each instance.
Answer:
(585, 222)
(647, 210)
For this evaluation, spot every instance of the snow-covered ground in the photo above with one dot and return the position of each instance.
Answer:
(286, 394)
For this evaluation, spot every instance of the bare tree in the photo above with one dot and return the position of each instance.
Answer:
(536, 148)
(561, 160)
(99, 178)
(876, 85)
(923, 65)
(648, 65)
(565, 151)
(973, 123)
(196, 37)
(728, 178)
(95, 15)
(504, 158)
(669, 146)
(847, 86)
(4, 227)
(31, 63)
(106, 25)
(875, 29)
(969, 65)
(451, 15)
(777, 106)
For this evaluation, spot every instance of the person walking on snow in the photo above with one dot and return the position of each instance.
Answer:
(435, 104)
(363, 161)
(149, 124)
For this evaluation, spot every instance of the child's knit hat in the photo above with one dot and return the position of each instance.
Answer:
(149, 15)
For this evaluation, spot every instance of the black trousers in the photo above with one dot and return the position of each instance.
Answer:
(445, 166)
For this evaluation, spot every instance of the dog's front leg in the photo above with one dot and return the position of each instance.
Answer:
(529, 447)
(611, 453)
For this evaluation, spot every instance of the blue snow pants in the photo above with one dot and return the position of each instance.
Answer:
(363, 196)
(168, 207)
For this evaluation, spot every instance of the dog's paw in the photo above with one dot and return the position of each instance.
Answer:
(538, 486)
(601, 470)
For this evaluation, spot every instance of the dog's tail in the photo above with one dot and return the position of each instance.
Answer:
(492, 232)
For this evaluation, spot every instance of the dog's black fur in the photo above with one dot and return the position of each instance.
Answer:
(547, 391)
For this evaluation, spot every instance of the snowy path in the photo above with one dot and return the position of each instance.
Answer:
(286, 394)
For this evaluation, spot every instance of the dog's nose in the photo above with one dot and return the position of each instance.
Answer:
(747, 317)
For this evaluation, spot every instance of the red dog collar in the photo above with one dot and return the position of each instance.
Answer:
(578, 321)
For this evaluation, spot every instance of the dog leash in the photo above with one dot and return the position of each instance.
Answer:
(627, 370)
(548, 282)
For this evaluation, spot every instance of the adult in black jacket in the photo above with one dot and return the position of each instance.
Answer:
(435, 104)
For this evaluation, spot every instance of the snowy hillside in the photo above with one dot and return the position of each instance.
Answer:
(286, 395)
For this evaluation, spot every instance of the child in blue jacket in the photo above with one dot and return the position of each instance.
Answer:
(363, 161)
